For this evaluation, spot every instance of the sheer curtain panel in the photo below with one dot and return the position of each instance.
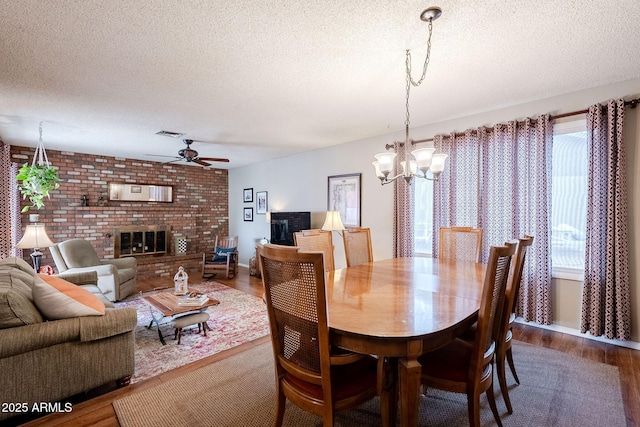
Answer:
(606, 298)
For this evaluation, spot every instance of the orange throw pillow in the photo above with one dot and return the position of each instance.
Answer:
(58, 299)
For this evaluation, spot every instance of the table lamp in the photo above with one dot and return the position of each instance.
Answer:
(35, 237)
(333, 222)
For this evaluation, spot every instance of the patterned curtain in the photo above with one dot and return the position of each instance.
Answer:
(456, 192)
(606, 298)
(403, 212)
(500, 180)
(516, 200)
(9, 204)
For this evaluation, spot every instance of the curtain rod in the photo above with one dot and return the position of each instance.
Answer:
(633, 103)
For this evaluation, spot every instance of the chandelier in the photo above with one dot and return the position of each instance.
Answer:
(423, 160)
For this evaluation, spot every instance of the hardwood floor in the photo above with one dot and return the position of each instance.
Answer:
(97, 411)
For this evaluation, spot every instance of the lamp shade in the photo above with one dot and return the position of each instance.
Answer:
(379, 173)
(437, 163)
(333, 222)
(385, 162)
(35, 237)
(423, 158)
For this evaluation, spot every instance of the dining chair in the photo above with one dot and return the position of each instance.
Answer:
(316, 240)
(357, 245)
(460, 243)
(309, 372)
(505, 333)
(223, 258)
(467, 367)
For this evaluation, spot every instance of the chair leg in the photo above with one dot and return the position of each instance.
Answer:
(473, 404)
(279, 408)
(492, 403)
(502, 376)
(327, 420)
(511, 365)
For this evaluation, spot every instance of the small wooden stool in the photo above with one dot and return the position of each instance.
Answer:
(190, 319)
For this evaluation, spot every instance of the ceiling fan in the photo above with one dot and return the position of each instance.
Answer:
(190, 155)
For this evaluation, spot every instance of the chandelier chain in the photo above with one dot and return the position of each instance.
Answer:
(410, 80)
(421, 163)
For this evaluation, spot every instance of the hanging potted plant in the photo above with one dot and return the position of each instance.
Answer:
(35, 182)
(38, 179)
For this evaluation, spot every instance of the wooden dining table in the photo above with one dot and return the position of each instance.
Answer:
(401, 308)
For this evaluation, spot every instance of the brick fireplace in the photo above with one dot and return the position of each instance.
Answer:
(198, 213)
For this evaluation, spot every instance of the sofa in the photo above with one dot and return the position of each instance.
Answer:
(50, 360)
(116, 277)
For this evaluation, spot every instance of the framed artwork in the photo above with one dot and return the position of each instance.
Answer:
(247, 195)
(262, 203)
(248, 214)
(343, 195)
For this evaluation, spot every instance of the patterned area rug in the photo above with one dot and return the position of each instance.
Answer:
(238, 318)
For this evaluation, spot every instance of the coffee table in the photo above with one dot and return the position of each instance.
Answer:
(166, 304)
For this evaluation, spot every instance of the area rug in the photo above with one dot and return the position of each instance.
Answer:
(238, 318)
(556, 389)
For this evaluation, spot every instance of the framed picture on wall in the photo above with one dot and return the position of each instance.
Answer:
(262, 204)
(343, 195)
(247, 195)
(248, 214)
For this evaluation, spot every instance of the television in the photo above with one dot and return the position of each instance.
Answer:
(284, 224)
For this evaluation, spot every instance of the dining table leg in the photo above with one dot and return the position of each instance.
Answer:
(409, 371)
(389, 393)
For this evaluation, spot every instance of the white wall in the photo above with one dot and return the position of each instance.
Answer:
(299, 183)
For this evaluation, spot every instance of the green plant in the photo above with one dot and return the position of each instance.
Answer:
(35, 182)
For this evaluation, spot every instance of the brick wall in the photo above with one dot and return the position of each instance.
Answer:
(199, 210)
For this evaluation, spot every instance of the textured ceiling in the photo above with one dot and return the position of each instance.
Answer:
(254, 79)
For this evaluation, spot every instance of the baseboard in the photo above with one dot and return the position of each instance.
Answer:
(570, 331)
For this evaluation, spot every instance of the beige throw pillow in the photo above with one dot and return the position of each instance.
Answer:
(58, 299)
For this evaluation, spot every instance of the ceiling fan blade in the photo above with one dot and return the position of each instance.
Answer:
(173, 161)
(213, 159)
(200, 162)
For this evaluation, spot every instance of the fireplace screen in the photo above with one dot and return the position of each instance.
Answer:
(140, 240)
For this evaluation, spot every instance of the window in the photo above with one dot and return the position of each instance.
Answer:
(569, 200)
(422, 231)
(568, 203)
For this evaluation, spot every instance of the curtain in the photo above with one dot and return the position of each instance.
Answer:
(403, 212)
(516, 200)
(606, 296)
(456, 192)
(9, 204)
(499, 180)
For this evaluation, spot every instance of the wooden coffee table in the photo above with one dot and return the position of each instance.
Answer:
(166, 304)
